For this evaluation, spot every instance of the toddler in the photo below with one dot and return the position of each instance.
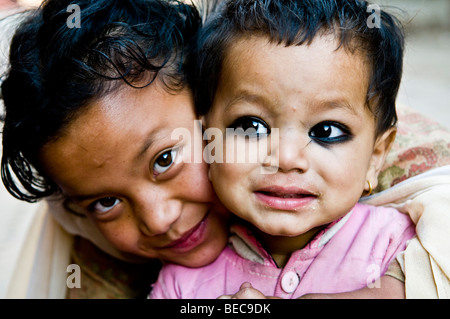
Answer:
(325, 80)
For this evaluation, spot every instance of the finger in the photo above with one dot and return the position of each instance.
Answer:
(246, 285)
(249, 293)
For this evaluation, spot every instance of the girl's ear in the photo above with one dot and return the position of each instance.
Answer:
(381, 149)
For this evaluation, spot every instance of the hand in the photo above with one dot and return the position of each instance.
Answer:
(246, 291)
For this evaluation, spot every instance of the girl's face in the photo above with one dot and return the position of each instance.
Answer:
(118, 164)
(327, 150)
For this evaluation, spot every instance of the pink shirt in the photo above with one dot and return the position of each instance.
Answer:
(349, 254)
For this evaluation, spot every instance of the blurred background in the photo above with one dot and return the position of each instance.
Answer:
(426, 79)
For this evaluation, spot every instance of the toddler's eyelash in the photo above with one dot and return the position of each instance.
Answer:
(328, 141)
(242, 121)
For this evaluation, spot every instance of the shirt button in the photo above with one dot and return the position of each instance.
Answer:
(289, 282)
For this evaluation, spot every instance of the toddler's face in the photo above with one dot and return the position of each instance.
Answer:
(118, 164)
(327, 150)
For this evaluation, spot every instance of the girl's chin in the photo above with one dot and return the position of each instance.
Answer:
(203, 257)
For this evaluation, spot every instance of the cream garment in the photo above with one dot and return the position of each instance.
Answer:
(40, 269)
(426, 260)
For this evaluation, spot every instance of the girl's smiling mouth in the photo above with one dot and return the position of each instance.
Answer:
(190, 238)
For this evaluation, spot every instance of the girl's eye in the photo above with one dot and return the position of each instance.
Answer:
(328, 132)
(164, 161)
(251, 126)
(104, 205)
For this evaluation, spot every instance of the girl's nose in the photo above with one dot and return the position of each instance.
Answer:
(156, 216)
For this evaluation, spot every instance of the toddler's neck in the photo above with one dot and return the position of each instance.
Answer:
(281, 247)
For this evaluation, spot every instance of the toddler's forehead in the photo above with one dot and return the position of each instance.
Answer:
(320, 49)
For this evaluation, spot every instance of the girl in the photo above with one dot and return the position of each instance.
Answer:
(89, 116)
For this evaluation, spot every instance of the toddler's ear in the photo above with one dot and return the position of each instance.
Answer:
(383, 145)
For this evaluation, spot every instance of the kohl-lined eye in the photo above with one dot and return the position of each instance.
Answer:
(164, 161)
(251, 126)
(104, 205)
(329, 132)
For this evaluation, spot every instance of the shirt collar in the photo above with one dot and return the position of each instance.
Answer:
(248, 247)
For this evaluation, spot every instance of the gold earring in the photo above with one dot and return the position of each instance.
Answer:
(369, 192)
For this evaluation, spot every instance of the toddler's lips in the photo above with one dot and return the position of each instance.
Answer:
(285, 198)
(281, 195)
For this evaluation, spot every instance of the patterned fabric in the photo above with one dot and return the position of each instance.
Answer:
(421, 144)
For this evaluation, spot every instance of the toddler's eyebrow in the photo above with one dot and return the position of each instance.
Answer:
(246, 96)
(340, 104)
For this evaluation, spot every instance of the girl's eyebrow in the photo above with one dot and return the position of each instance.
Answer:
(145, 146)
(152, 137)
(83, 198)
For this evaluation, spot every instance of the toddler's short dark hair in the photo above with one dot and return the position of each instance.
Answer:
(377, 35)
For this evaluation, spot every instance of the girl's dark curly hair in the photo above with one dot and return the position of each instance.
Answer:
(57, 68)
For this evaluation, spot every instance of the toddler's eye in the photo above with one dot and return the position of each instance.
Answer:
(104, 205)
(252, 126)
(164, 161)
(328, 132)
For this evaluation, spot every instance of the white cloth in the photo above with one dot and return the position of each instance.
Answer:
(41, 258)
(426, 260)
(42, 249)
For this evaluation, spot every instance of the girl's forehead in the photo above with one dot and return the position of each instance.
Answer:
(131, 113)
(118, 131)
(154, 101)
